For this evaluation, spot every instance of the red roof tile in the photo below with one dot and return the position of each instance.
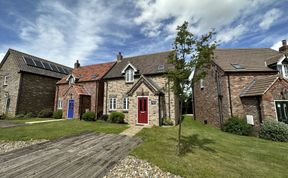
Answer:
(89, 73)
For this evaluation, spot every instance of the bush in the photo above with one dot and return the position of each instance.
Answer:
(274, 130)
(237, 126)
(167, 121)
(116, 117)
(104, 117)
(45, 113)
(89, 116)
(19, 116)
(29, 115)
(57, 114)
(4, 117)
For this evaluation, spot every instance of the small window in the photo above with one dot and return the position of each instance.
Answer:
(60, 103)
(129, 75)
(237, 66)
(202, 83)
(285, 70)
(112, 104)
(5, 80)
(161, 68)
(71, 81)
(126, 103)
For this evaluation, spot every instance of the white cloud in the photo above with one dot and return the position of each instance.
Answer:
(158, 16)
(231, 33)
(269, 18)
(2, 56)
(64, 33)
(276, 45)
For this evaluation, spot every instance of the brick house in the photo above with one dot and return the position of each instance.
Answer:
(137, 87)
(27, 83)
(82, 90)
(249, 83)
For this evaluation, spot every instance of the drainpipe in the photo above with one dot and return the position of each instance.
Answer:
(56, 98)
(193, 103)
(106, 98)
(230, 100)
(219, 95)
(259, 109)
(96, 98)
(159, 110)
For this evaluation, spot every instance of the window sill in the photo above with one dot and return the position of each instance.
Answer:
(114, 110)
(125, 111)
(129, 82)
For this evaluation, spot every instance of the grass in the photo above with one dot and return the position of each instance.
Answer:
(54, 130)
(209, 152)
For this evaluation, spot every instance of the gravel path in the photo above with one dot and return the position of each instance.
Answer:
(6, 146)
(133, 167)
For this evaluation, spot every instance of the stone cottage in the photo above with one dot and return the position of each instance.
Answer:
(28, 83)
(249, 83)
(82, 90)
(137, 87)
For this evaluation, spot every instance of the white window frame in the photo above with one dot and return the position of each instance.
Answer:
(129, 75)
(112, 103)
(126, 103)
(5, 80)
(285, 70)
(202, 83)
(60, 104)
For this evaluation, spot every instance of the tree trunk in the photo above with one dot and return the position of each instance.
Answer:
(180, 127)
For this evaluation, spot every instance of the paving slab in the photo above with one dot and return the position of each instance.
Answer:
(86, 155)
(7, 124)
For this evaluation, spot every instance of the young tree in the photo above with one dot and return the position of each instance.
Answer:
(190, 52)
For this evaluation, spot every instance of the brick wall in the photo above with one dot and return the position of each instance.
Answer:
(66, 92)
(9, 69)
(118, 88)
(251, 107)
(206, 99)
(279, 91)
(36, 93)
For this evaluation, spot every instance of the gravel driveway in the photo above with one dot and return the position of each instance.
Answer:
(6, 124)
(87, 155)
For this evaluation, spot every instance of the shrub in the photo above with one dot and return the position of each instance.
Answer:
(19, 116)
(45, 113)
(104, 117)
(237, 126)
(89, 116)
(167, 121)
(274, 130)
(57, 114)
(29, 115)
(116, 117)
(4, 117)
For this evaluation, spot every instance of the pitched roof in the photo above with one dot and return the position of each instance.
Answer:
(145, 64)
(80, 90)
(89, 73)
(148, 82)
(249, 59)
(18, 57)
(259, 85)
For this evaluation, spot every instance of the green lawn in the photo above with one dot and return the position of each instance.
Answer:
(54, 130)
(212, 153)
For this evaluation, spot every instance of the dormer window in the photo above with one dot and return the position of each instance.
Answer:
(129, 72)
(285, 67)
(71, 79)
(129, 75)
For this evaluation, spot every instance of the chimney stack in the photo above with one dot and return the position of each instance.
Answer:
(284, 47)
(76, 64)
(119, 57)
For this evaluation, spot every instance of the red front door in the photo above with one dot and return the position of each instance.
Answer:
(142, 110)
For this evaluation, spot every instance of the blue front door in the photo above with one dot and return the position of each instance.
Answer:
(70, 109)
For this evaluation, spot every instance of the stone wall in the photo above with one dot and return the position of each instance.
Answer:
(9, 69)
(36, 93)
(118, 88)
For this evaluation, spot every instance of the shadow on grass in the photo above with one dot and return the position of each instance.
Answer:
(189, 143)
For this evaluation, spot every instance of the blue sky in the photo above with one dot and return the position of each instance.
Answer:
(93, 31)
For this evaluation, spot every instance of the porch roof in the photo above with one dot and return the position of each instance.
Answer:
(259, 86)
(156, 89)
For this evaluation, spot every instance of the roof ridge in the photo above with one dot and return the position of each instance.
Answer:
(125, 58)
(242, 48)
(98, 64)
